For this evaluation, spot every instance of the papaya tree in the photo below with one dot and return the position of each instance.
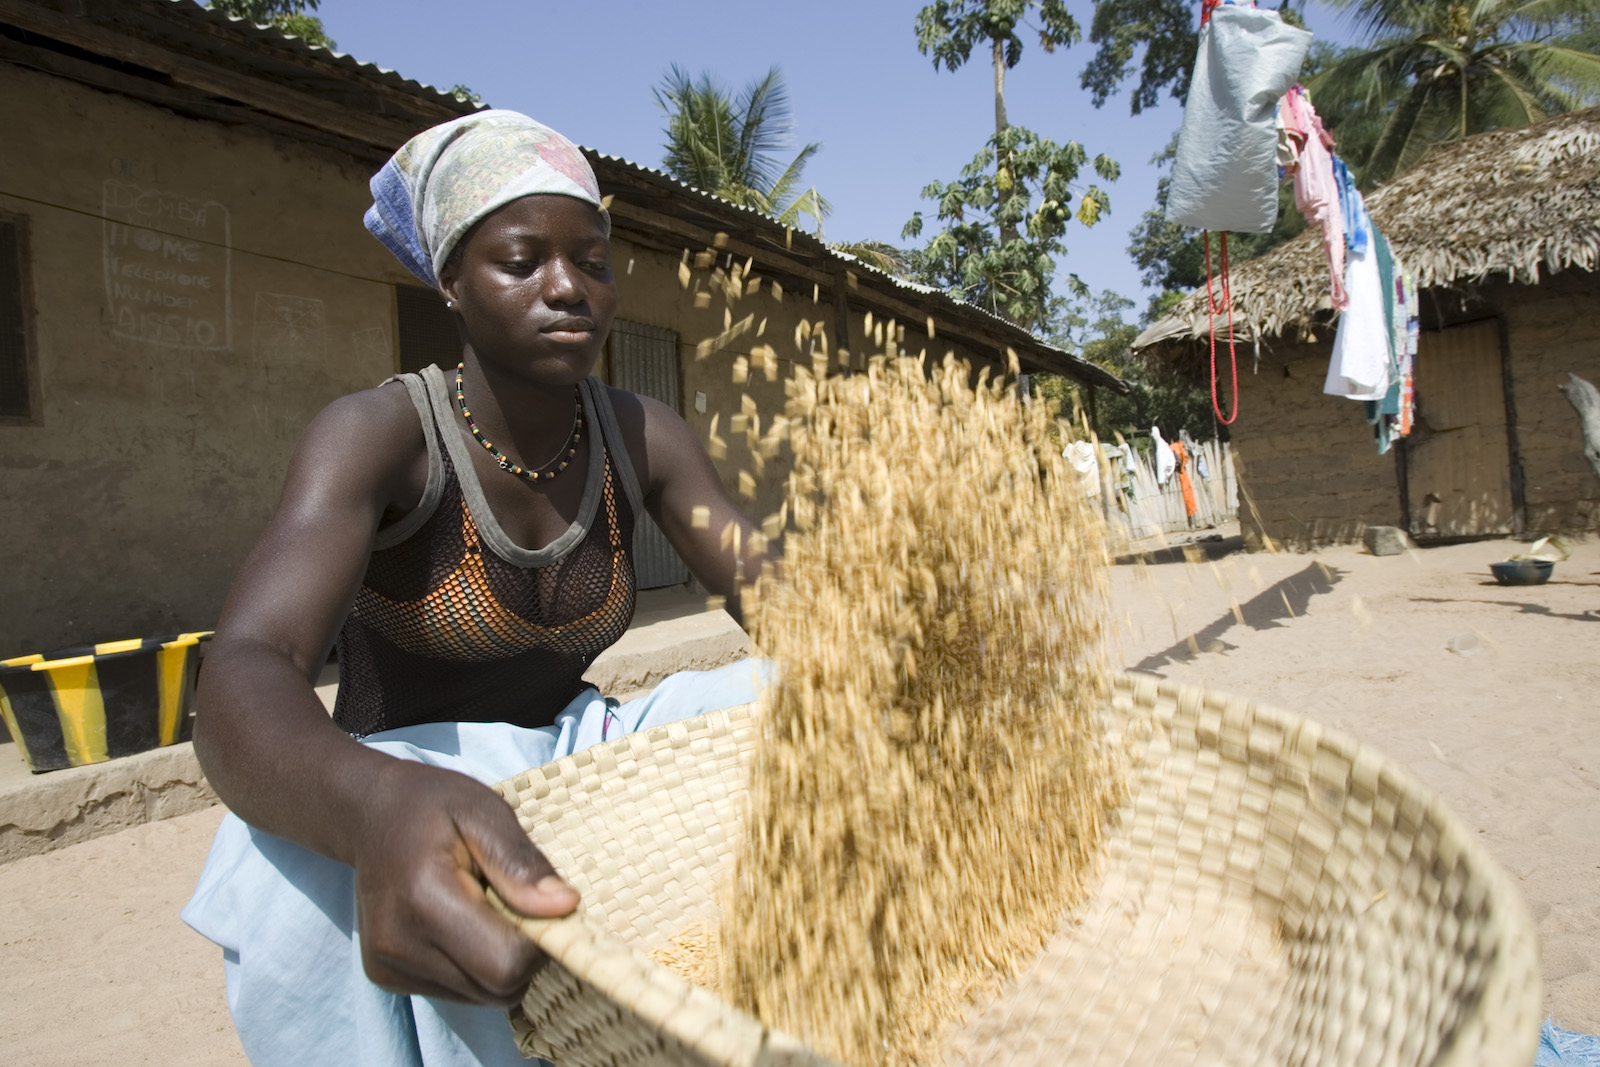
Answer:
(950, 29)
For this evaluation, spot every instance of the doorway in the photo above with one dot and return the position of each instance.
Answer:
(644, 359)
(1458, 465)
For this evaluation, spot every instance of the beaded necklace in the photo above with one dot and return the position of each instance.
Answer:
(571, 445)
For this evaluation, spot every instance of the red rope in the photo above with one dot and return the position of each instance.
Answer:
(1212, 310)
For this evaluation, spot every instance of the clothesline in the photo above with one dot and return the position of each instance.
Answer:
(1375, 346)
(1247, 126)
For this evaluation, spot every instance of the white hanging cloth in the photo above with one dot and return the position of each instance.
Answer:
(1166, 462)
(1080, 454)
(1360, 366)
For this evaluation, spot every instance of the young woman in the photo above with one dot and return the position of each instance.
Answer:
(464, 536)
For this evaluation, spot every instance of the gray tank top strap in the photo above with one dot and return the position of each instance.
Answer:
(442, 398)
(412, 520)
(616, 447)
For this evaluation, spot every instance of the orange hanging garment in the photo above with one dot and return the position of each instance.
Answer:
(1185, 484)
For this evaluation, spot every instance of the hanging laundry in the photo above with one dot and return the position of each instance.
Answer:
(1352, 209)
(1408, 357)
(1117, 459)
(1166, 462)
(1382, 409)
(1080, 455)
(1180, 455)
(1363, 344)
(1391, 417)
(1224, 174)
(1316, 190)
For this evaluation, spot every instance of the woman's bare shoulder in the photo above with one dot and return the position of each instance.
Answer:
(660, 441)
(373, 437)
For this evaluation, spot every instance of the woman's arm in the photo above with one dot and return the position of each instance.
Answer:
(677, 478)
(422, 840)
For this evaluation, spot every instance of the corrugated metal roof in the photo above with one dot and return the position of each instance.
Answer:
(273, 36)
(296, 50)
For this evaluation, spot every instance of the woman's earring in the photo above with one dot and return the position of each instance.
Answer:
(449, 303)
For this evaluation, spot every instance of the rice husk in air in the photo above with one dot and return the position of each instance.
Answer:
(928, 789)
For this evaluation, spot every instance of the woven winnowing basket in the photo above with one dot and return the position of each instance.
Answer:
(1271, 893)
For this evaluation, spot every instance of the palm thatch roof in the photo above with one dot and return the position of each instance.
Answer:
(1513, 203)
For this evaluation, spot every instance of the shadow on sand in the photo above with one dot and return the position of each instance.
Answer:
(1284, 599)
(1522, 607)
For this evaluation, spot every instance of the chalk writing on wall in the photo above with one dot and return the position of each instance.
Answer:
(371, 345)
(288, 329)
(167, 262)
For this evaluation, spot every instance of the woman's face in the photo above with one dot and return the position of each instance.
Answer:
(533, 284)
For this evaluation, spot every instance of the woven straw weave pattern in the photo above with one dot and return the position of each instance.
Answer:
(1272, 893)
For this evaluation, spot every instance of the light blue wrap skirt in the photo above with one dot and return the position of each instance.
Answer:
(285, 916)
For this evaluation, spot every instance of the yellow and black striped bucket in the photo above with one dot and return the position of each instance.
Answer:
(98, 702)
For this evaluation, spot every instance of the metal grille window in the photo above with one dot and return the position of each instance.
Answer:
(16, 370)
(427, 329)
(644, 360)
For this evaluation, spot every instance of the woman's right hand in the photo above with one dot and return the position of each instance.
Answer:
(432, 843)
(424, 841)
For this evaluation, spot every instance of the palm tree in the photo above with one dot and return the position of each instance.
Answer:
(728, 146)
(1435, 70)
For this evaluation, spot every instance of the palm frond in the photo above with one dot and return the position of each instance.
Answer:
(763, 127)
(1571, 70)
(783, 186)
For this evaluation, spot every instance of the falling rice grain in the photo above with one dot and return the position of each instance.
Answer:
(928, 789)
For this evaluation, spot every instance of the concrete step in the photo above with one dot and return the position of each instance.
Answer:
(671, 632)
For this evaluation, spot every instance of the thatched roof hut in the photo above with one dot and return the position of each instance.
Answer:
(1520, 204)
(1503, 233)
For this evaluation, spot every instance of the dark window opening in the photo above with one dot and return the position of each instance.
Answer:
(427, 330)
(16, 386)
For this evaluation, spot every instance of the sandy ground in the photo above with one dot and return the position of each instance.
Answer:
(1507, 733)
(1507, 729)
(97, 967)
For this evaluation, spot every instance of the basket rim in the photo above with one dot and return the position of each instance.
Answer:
(655, 993)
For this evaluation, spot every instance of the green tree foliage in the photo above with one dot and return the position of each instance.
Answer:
(1004, 217)
(971, 256)
(287, 15)
(1167, 31)
(1095, 328)
(728, 145)
(1163, 35)
(1434, 70)
(950, 29)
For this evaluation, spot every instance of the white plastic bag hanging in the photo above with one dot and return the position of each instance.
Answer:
(1225, 175)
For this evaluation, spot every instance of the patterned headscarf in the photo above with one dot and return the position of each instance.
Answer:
(445, 179)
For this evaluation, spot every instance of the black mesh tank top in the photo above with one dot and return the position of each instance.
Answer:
(456, 623)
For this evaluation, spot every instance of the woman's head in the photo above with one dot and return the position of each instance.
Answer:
(532, 283)
(503, 216)
(446, 179)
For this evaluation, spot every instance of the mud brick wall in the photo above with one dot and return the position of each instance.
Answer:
(1308, 468)
(1554, 329)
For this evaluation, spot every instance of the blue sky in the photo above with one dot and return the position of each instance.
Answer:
(888, 123)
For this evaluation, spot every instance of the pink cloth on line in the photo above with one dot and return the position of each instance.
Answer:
(1316, 192)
